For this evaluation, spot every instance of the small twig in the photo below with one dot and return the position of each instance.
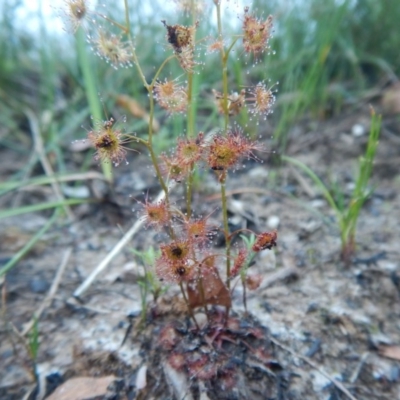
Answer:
(103, 265)
(357, 371)
(75, 303)
(48, 169)
(338, 384)
(117, 248)
(50, 295)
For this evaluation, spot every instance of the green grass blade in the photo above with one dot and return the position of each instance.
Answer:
(41, 206)
(6, 187)
(20, 254)
(317, 181)
(361, 193)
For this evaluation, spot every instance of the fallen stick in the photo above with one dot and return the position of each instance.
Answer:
(338, 384)
(50, 295)
(117, 248)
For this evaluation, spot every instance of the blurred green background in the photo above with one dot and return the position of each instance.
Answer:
(326, 56)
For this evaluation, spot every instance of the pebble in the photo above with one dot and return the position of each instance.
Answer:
(273, 222)
(318, 203)
(80, 192)
(259, 173)
(38, 284)
(357, 130)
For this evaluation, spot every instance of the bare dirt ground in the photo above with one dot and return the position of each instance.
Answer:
(316, 329)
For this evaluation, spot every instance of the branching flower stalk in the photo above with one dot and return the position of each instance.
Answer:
(151, 99)
(187, 258)
(224, 205)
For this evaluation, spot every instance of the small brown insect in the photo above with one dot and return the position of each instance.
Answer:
(179, 36)
(172, 38)
(234, 103)
(177, 251)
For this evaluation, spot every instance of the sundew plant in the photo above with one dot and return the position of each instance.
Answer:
(187, 259)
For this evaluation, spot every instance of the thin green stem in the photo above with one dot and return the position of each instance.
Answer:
(134, 56)
(225, 92)
(240, 230)
(91, 92)
(137, 139)
(190, 108)
(193, 10)
(151, 118)
(190, 119)
(158, 173)
(219, 20)
(115, 23)
(243, 279)
(149, 142)
(231, 46)
(203, 297)
(149, 87)
(224, 61)
(226, 231)
(164, 63)
(189, 189)
(127, 19)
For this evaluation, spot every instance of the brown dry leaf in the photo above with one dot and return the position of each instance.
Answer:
(82, 388)
(215, 291)
(134, 107)
(391, 99)
(390, 352)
